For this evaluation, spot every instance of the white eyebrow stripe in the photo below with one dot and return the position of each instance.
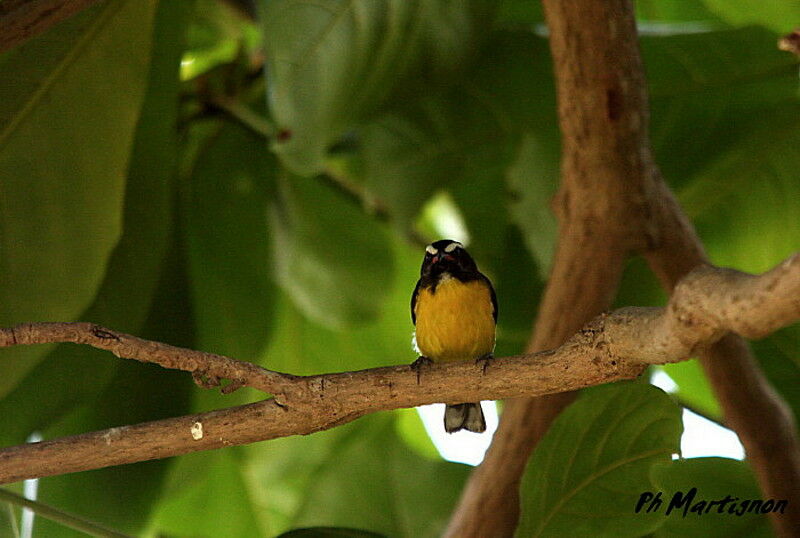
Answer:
(430, 249)
(452, 246)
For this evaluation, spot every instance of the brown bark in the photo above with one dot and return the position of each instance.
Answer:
(751, 407)
(603, 211)
(21, 20)
(612, 347)
(613, 201)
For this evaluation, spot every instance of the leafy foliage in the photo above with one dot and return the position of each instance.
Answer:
(714, 478)
(61, 206)
(144, 186)
(588, 472)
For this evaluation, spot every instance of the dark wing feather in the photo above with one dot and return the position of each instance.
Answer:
(493, 294)
(414, 302)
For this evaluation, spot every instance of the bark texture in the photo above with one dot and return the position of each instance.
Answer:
(613, 202)
(614, 346)
(603, 209)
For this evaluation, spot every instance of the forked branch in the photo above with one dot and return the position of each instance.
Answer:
(614, 346)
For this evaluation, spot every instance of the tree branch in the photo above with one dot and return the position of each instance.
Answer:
(23, 19)
(603, 210)
(752, 408)
(206, 368)
(613, 346)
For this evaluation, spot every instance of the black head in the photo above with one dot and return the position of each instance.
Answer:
(447, 256)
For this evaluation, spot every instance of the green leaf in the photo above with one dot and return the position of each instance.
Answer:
(332, 63)
(777, 355)
(211, 491)
(465, 139)
(515, 12)
(715, 479)
(68, 109)
(412, 431)
(225, 206)
(122, 497)
(693, 387)
(674, 12)
(777, 16)
(303, 346)
(215, 36)
(125, 295)
(437, 142)
(711, 90)
(744, 204)
(590, 468)
(331, 258)
(533, 180)
(518, 294)
(369, 480)
(329, 532)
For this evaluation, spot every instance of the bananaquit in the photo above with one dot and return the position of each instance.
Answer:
(454, 310)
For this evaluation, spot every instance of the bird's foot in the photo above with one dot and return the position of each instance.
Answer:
(484, 362)
(421, 362)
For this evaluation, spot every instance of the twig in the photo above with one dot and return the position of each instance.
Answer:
(53, 514)
(240, 112)
(612, 347)
(205, 367)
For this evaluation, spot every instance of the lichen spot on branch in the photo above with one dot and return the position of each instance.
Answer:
(197, 431)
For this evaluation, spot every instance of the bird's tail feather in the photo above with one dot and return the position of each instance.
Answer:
(465, 416)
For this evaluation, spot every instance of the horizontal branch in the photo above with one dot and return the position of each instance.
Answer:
(206, 368)
(708, 303)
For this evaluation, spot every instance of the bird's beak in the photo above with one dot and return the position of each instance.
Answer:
(440, 257)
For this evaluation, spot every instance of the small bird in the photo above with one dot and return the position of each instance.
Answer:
(454, 310)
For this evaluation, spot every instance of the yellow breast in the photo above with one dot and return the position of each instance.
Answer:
(456, 322)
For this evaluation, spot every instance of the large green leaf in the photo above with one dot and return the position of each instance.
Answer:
(125, 295)
(225, 222)
(303, 346)
(210, 491)
(122, 497)
(332, 259)
(437, 142)
(69, 105)
(715, 479)
(334, 62)
(532, 181)
(369, 480)
(778, 16)
(590, 468)
(744, 204)
(466, 139)
(709, 91)
(721, 108)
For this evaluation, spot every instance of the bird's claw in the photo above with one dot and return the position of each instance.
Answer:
(418, 364)
(484, 362)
